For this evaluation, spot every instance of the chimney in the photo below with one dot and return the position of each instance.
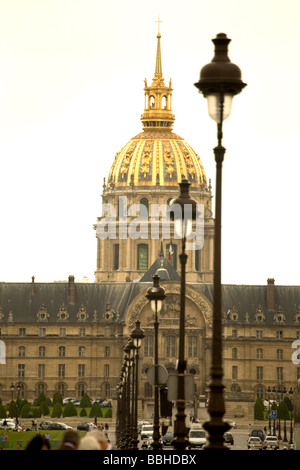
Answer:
(71, 285)
(32, 285)
(271, 294)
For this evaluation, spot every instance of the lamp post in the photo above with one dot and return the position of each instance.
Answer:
(156, 294)
(183, 220)
(268, 391)
(137, 334)
(220, 80)
(128, 349)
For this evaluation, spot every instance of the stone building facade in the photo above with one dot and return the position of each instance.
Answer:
(69, 336)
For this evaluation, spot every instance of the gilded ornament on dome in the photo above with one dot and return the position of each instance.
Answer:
(146, 159)
(127, 159)
(169, 160)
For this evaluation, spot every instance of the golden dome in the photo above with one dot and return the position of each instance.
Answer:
(156, 156)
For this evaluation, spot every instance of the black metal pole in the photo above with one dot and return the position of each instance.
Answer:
(180, 431)
(156, 434)
(216, 407)
(135, 430)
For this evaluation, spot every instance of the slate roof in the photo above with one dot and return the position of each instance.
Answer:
(18, 298)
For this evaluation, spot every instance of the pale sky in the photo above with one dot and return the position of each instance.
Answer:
(71, 95)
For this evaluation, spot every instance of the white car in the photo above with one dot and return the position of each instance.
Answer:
(254, 443)
(197, 437)
(270, 442)
(146, 431)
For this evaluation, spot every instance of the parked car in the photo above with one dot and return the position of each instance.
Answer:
(44, 424)
(228, 437)
(10, 425)
(254, 443)
(168, 438)
(66, 400)
(86, 426)
(58, 427)
(270, 443)
(105, 404)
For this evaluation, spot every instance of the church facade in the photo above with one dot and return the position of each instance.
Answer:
(69, 336)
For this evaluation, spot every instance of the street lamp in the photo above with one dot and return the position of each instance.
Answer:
(183, 224)
(156, 294)
(220, 81)
(128, 349)
(137, 334)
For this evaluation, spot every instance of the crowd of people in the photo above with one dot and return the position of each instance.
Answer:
(71, 440)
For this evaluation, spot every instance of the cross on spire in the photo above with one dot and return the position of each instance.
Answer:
(158, 21)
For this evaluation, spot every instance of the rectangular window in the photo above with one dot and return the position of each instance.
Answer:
(148, 346)
(81, 331)
(279, 334)
(259, 373)
(234, 333)
(259, 353)
(170, 346)
(21, 370)
(81, 370)
(41, 371)
(142, 255)
(234, 373)
(259, 334)
(62, 332)
(116, 256)
(192, 346)
(42, 332)
(61, 370)
(279, 353)
(22, 331)
(106, 370)
(280, 373)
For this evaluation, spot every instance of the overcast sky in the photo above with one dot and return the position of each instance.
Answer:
(71, 95)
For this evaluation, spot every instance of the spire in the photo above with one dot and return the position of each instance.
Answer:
(158, 98)
(158, 67)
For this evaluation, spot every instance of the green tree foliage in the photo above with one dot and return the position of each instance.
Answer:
(44, 408)
(108, 413)
(96, 410)
(283, 412)
(288, 403)
(57, 398)
(85, 401)
(70, 410)
(2, 411)
(25, 410)
(83, 412)
(57, 411)
(258, 409)
(41, 398)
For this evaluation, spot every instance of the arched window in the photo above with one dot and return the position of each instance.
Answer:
(80, 389)
(41, 388)
(61, 388)
(142, 257)
(152, 102)
(164, 102)
(116, 249)
(170, 346)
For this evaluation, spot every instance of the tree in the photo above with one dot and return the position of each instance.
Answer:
(70, 410)
(2, 411)
(258, 409)
(25, 410)
(96, 410)
(57, 411)
(83, 412)
(57, 398)
(85, 401)
(41, 398)
(44, 409)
